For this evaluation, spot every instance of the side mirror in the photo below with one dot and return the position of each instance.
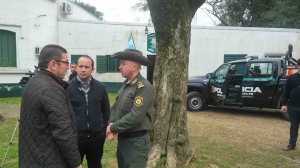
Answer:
(208, 76)
(288, 54)
(290, 48)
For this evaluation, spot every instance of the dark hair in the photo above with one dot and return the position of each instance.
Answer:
(298, 62)
(48, 53)
(74, 62)
(86, 56)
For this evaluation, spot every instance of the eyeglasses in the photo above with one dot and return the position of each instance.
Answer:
(66, 62)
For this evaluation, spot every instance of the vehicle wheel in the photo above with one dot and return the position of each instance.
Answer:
(194, 101)
(286, 116)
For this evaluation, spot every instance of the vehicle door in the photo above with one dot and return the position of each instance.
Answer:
(218, 85)
(236, 74)
(259, 84)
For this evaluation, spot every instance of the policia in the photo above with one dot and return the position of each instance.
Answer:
(130, 115)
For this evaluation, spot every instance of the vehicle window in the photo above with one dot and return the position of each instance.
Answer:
(221, 72)
(260, 70)
(237, 69)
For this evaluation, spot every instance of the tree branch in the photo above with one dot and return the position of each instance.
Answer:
(190, 158)
(215, 12)
(194, 5)
(210, 17)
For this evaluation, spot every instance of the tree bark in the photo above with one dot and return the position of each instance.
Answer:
(172, 23)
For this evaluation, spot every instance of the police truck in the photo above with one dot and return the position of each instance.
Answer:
(250, 82)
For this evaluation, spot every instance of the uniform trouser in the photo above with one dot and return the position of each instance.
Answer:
(92, 147)
(294, 116)
(133, 152)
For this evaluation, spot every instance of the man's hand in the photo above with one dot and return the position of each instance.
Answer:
(80, 166)
(284, 109)
(111, 136)
(108, 129)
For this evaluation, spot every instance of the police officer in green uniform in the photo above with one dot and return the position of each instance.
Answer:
(130, 115)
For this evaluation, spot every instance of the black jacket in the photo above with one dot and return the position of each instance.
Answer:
(292, 91)
(92, 114)
(48, 135)
(72, 76)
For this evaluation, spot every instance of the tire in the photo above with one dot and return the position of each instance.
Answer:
(286, 116)
(194, 101)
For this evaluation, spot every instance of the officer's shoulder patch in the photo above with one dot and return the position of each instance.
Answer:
(138, 100)
(140, 85)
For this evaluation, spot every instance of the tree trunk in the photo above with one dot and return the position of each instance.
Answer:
(172, 23)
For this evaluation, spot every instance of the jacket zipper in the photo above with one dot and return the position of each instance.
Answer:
(87, 115)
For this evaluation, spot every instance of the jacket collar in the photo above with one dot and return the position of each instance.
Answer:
(78, 82)
(134, 80)
(57, 79)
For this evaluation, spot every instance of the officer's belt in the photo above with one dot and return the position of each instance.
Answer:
(132, 134)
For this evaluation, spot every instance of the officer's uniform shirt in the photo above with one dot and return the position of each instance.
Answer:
(134, 104)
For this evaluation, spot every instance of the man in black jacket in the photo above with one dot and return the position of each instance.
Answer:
(291, 104)
(73, 67)
(48, 135)
(90, 102)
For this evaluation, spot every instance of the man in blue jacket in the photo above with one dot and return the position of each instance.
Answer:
(91, 106)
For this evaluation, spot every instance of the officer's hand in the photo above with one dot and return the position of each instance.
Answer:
(80, 166)
(108, 129)
(111, 136)
(284, 109)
